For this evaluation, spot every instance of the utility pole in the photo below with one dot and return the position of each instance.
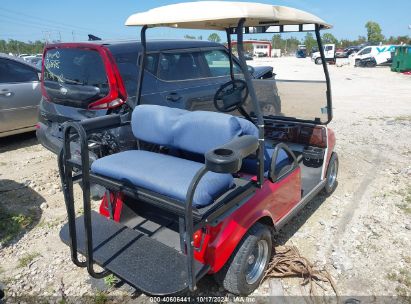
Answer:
(73, 35)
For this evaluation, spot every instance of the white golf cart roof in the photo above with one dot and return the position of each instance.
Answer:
(220, 15)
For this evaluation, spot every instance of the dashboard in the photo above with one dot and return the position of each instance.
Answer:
(306, 135)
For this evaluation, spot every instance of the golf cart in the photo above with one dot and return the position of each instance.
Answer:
(205, 190)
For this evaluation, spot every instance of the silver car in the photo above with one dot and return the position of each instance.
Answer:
(20, 95)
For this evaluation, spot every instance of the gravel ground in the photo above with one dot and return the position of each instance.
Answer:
(360, 234)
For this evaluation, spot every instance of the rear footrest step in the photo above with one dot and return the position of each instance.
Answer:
(144, 263)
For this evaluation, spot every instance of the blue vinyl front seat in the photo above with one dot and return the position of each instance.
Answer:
(194, 132)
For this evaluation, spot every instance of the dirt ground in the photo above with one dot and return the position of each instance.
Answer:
(361, 233)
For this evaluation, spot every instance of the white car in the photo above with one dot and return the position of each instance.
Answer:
(381, 54)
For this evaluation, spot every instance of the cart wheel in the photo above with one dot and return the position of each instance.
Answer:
(244, 271)
(332, 173)
(318, 61)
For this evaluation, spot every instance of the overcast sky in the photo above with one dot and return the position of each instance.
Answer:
(74, 19)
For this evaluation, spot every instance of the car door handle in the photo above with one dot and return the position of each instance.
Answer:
(173, 97)
(6, 93)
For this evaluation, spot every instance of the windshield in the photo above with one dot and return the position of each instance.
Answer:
(294, 99)
(297, 91)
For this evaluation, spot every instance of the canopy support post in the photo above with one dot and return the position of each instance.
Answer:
(254, 100)
(141, 64)
(230, 53)
(327, 75)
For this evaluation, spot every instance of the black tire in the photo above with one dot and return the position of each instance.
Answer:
(357, 63)
(318, 61)
(233, 276)
(371, 64)
(331, 180)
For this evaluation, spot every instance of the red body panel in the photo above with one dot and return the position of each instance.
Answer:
(117, 206)
(330, 145)
(273, 200)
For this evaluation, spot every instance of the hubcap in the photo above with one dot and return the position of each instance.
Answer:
(333, 174)
(256, 262)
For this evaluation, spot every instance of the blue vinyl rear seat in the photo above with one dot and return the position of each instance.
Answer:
(194, 132)
(163, 174)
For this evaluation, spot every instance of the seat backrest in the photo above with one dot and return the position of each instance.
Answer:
(196, 132)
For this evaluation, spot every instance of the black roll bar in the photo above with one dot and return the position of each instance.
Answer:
(189, 230)
(70, 130)
(66, 178)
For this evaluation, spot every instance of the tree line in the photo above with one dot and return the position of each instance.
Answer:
(19, 47)
(287, 45)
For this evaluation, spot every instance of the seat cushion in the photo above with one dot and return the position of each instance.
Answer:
(163, 174)
(195, 132)
(250, 165)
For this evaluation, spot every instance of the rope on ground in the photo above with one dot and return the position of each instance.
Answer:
(288, 262)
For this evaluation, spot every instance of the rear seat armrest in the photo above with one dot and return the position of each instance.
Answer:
(104, 122)
(229, 157)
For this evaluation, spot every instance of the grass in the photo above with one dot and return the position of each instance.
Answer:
(396, 118)
(11, 224)
(100, 298)
(111, 280)
(403, 277)
(403, 118)
(27, 259)
(48, 224)
(406, 197)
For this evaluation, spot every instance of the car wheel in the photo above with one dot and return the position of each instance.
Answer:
(318, 61)
(244, 271)
(357, 63)
(332, 173)
(371, 64)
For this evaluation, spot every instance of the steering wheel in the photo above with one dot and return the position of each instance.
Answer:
(231, 95)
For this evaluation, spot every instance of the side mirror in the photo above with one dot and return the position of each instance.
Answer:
(250, 69)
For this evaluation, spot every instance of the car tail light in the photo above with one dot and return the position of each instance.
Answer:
(118, 94)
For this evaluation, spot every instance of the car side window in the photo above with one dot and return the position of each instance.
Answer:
(218, 62)
(127, 65)
(365, 51)
(329, 48)
(180, 66)
(14, 72)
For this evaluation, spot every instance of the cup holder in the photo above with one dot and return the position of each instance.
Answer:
(313, 156)
(223, 152)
